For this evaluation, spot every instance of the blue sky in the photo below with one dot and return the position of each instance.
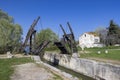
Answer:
(83, 15)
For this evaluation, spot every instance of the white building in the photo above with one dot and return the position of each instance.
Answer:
(89, 39)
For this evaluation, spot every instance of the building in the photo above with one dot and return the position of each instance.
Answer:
(89, 39)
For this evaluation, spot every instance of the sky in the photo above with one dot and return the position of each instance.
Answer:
(83, 15)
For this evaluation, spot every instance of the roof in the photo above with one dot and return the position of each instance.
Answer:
(93, 33)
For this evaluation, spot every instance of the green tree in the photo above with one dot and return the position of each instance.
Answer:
(10, 33)
(4, 15)
(113, 28)
(113, 35)
(46, 35)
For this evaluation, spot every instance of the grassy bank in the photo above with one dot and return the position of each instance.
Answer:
(113, 54)
(6, 68)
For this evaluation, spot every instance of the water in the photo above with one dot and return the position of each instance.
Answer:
(76, 74)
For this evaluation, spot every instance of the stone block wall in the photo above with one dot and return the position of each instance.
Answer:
(97, 70)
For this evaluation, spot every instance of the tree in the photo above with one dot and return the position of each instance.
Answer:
(46, 34)
(113, 28)
(10, 33)
(102, 32)
(113, 35)
(4, 15)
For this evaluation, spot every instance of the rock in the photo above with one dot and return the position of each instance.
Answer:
(106, 51)
(99, 52)
(9, 55)
(76, 55)
(36, 58)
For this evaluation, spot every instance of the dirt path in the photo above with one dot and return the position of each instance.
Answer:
(31, 71)
(105, 60)
(4, 56)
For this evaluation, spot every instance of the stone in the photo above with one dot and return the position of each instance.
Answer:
(36, 58)
(99, 52)
(106, 51)
(76, 55)
(9, 55)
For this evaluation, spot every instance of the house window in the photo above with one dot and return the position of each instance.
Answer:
(85, 35)
(96, 40)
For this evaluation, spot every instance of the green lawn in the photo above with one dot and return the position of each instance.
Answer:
(113, 54)
(6, 68)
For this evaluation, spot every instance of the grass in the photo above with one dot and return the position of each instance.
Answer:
(6, 68)
(113, 54)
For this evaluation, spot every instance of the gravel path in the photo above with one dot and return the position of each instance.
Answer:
(31, 71)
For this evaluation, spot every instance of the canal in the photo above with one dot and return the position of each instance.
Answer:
(76, 74)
